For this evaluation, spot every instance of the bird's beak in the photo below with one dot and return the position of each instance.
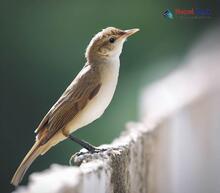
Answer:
(130, 32)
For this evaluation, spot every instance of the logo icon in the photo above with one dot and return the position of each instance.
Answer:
(168, 14)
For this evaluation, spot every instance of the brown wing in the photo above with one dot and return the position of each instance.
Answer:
(73, 100)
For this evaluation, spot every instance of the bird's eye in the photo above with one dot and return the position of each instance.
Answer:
(112, 40)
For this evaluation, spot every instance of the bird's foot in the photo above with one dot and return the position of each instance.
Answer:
(85, 155)
(90, 151)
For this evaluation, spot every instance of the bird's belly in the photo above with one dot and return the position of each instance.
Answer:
(95, 107)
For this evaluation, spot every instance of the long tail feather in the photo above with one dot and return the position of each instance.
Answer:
(34, 152)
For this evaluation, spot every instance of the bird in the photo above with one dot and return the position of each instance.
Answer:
(84, 100)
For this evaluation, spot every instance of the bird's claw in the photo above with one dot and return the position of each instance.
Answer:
(79, 157)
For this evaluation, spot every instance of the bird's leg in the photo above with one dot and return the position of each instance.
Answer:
(75, 159)
(83, 143)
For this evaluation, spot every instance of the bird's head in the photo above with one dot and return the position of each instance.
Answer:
(107, 43)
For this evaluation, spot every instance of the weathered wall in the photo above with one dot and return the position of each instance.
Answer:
(162, 154)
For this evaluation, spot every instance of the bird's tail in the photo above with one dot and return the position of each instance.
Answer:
(34, 152)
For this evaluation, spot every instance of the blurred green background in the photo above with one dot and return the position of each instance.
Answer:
(42, 49)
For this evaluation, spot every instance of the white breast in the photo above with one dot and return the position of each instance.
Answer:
(96, 107)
